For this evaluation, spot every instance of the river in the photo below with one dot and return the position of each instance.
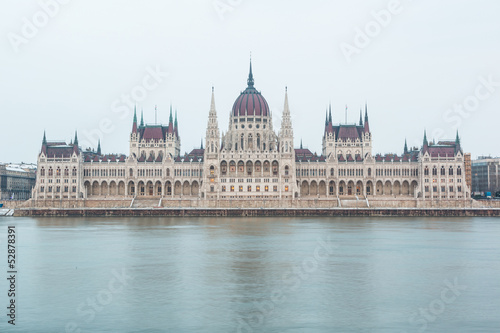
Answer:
(253, 275)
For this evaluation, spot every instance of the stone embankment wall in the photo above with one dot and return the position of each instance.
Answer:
(332, 203)
(248, 212)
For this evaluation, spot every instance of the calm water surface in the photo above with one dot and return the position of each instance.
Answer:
(254, 275)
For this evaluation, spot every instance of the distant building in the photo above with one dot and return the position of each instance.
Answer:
(252, 161)
(486, 174)
(17, 181)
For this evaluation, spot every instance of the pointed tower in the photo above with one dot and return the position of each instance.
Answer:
(367, 126)
(286, 131)
(212, 138)
(173, 141)
(201, 145)
(458, 146)
(210, 188)
(287, 153)
(142, 118)
(134, 123)
(75, 144)
(99, 147)
(134, 136)
(406, 148)
(425, 145)
(176, 131)
(360, 117)
(44, 144)
(328, 144)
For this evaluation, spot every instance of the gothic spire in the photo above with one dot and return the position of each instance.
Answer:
(406, 148)
(76, 139)
(134, 124)
(142, 117)
(201, 146)
(330, 114)
(367, 125)
(457, 139)
(250, 76)
(99, 147)
(360, 117)
(44, 140)
(301, 144)
(326, 117)
(176, 130)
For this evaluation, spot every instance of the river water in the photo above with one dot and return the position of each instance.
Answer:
(253, 275)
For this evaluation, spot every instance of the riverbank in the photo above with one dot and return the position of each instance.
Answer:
(262, 212)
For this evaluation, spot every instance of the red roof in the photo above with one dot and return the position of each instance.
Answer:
(250, 103)
(153, 133)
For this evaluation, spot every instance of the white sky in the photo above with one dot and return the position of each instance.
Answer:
(413, 71)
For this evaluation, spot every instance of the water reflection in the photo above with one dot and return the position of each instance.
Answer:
(256, 274)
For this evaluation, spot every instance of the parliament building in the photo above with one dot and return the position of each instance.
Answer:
(250, 164)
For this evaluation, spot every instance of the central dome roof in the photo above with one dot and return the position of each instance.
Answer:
(250, 102)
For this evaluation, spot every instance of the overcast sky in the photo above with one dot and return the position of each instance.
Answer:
(419, 64)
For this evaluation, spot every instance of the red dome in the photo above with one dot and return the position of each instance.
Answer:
(250, 103)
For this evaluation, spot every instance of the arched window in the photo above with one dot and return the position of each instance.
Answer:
(42, 171)
(443, 171)
(51, 172)
(168, 172)
(258, 141)
(434, 171)
(73, 172)
(131, 172)
(286, 170)
(426, 171)
(369, 172)
(332, 172)
(450, 172)
(212, 170)
(459, 171)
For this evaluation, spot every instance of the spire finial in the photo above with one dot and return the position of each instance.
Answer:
(99, 147)
(406, 147)
(170, 119)
(142, 117)
(135, 114)
(301, 144)
(76, 139)
(201, 146)
(250, 75)
(360, 117)
(44, 140)
(330, 113)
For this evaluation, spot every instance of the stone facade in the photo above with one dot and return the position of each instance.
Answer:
(253, 165)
